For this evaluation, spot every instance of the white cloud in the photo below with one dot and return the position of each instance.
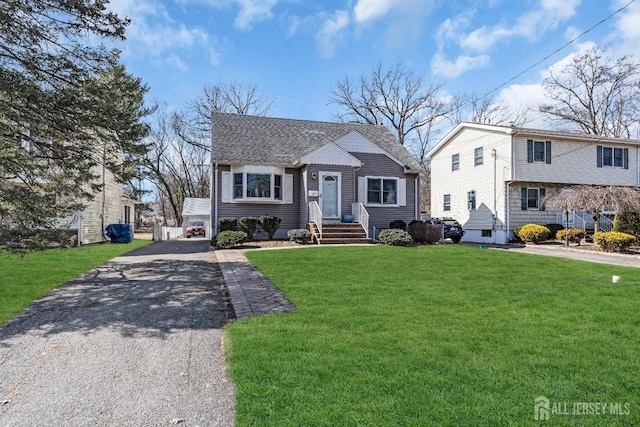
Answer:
(451, 69)
(628, 30)
(331, 30)
(368, 10)
(252, 11)
(154, 33)
(474, 45)
(483, 39)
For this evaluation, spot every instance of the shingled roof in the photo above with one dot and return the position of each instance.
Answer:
(240, 138)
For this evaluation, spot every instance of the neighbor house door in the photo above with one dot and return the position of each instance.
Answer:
(330, 194)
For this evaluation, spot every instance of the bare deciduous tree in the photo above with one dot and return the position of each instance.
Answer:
(486, 109)
(394, 97)
(598, 94)
(595, 198)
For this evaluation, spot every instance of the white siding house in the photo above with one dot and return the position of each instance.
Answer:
(491, 178)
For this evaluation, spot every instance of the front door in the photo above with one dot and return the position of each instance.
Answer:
(330, 195)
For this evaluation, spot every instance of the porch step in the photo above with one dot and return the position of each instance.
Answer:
(339, 233)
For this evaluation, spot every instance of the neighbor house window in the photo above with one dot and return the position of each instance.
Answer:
(613, 157)
(455, 162)
(487, 233)
(382, 191)
(447, 202)
(247, 185)
(477, 156)
(538, 151)
(471, 200)
(531, 197)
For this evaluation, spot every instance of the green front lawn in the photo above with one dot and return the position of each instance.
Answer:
(437, 335)
(24, 280)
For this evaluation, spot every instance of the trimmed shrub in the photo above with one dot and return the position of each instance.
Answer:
(270, 224)
(553, 229)
(516, 234)
(533, 233)
(613, 241)
(422, 232)
(395, 237)
(227, 223)
(627, 222)
(249, 225)
(398, 224)
(299, 235)
(574, 235)
(229, 239)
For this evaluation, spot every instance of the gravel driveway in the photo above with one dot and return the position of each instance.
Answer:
(134, 342)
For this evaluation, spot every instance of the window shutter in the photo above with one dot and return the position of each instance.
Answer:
(523, 198)
(362, 189)
(541, 195)
(288, 189)
(530, 150)
(626, 158)
(226, 187)
(402, 192)
(548, 152)
(599, 156)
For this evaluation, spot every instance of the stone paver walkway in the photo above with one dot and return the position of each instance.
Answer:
(251, 293)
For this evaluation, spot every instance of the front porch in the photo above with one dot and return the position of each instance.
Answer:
(330, 232)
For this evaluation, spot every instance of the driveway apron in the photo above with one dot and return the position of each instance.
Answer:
(134, 342)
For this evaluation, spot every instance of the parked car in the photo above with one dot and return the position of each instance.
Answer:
(452, 228)
(195, 228)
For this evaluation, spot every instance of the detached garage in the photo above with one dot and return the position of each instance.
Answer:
(196, 210)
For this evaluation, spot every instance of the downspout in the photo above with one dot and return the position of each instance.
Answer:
(416, 193)
(104, 196)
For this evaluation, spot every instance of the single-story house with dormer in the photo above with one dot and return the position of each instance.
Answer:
(310, 173)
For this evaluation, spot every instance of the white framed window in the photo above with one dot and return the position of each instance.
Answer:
(538, 151)
(247, 185)
(447, 202)
(455, 162)
(613, 157)
(257, 184)
(531, 198)
(382, 191)
(478, 156)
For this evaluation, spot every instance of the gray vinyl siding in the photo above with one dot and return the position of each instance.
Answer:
(288, 213)
(519, 217)
(574, 162)
(381, 165)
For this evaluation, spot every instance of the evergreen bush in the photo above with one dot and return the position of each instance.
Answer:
(249, 225)
(395, 237)
(229, 239)
(533, 233)
(227, 223)
(422, 232)
(613, 241)
(398, 224)
(627, 222)
(573, 235)
(270, 224)
(299, 235)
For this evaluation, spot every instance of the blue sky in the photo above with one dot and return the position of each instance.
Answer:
(295, 51)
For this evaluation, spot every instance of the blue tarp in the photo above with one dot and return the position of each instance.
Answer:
(120, 233)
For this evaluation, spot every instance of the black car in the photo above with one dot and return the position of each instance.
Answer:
(452, 228)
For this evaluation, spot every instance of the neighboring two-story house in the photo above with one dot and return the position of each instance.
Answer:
(492, 178)
(307, 172)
